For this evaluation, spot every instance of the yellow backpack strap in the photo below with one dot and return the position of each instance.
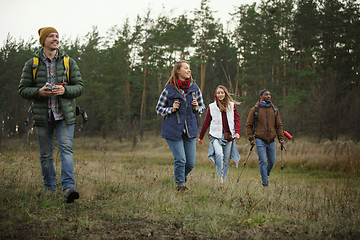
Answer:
(67, 67)
(35, 65)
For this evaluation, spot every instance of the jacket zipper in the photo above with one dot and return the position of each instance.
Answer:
(267, 126)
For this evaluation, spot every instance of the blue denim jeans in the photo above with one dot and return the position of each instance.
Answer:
(265, 152)
(184, 152)
(65, 135)
(222, 156)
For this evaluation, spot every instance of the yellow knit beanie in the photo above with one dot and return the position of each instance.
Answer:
(43, 32)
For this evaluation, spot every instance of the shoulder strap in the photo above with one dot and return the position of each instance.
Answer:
(67, 67)
(256, 113)
(34, 66)
(275, 110)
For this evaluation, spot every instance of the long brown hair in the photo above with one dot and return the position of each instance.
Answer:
(225, 104)
(174, 74)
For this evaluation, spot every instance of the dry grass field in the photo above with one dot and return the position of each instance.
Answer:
(127, 191)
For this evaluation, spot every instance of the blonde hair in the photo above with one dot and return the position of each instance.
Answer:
(225, 104)
(174, 74)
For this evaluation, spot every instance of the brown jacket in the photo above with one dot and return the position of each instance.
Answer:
(267, 125)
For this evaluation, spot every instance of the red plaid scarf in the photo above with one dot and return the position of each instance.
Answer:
(184, 85)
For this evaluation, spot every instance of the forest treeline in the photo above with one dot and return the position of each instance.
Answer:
(305, 51)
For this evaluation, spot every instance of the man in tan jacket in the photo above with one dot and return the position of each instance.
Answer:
(262, 126)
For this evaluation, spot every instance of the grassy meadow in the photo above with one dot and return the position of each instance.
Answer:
(127, 191)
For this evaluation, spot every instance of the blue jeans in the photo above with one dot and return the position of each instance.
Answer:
(65, 135)
(265, 152)
(222, 157)
(184, 152)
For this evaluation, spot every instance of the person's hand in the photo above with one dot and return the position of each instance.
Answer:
(176, 106)
(237, 136)
(45, 91)
(195, 104)
(200, 141)
(58, 90)
(282, 142)
(253, 143)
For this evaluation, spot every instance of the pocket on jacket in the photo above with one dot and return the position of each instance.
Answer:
(272, 133)
(260, 132)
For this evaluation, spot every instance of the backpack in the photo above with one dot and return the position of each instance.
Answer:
(256, 113)
(66, 66)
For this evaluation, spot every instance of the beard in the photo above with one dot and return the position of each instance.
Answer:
(266, 100)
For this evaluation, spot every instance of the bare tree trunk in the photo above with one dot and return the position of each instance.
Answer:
(127, 94)
(203, 73)
(143, 106)
(203, 64)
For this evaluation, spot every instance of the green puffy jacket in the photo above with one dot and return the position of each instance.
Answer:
(29, 88)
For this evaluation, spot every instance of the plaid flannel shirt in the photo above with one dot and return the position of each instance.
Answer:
(53, 102)
(163, 110)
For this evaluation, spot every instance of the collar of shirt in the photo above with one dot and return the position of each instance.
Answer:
(46, 59)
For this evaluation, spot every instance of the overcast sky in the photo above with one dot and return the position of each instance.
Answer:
(75, 18)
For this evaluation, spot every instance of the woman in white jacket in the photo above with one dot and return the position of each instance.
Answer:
(224, 121)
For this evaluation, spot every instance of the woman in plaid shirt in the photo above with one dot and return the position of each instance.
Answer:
(179, 103)
(224, 122)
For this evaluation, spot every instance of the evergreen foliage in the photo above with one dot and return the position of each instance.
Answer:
(305, 51)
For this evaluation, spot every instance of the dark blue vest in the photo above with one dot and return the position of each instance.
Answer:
(171, 129)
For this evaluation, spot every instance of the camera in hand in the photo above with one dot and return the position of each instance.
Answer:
(49, 86)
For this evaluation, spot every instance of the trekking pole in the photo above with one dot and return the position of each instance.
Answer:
(178, 117)
(196, 113)
(177, 113)
(282, 166)
(245, 163)
(286, 134)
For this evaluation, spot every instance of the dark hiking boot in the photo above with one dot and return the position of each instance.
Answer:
(70, 194)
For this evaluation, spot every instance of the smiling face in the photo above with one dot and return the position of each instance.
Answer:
(184, 72)
(220, 94)
(266, 97)
(52, 41)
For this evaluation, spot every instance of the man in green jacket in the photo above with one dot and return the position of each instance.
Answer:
(261, 129)
(53, 83)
